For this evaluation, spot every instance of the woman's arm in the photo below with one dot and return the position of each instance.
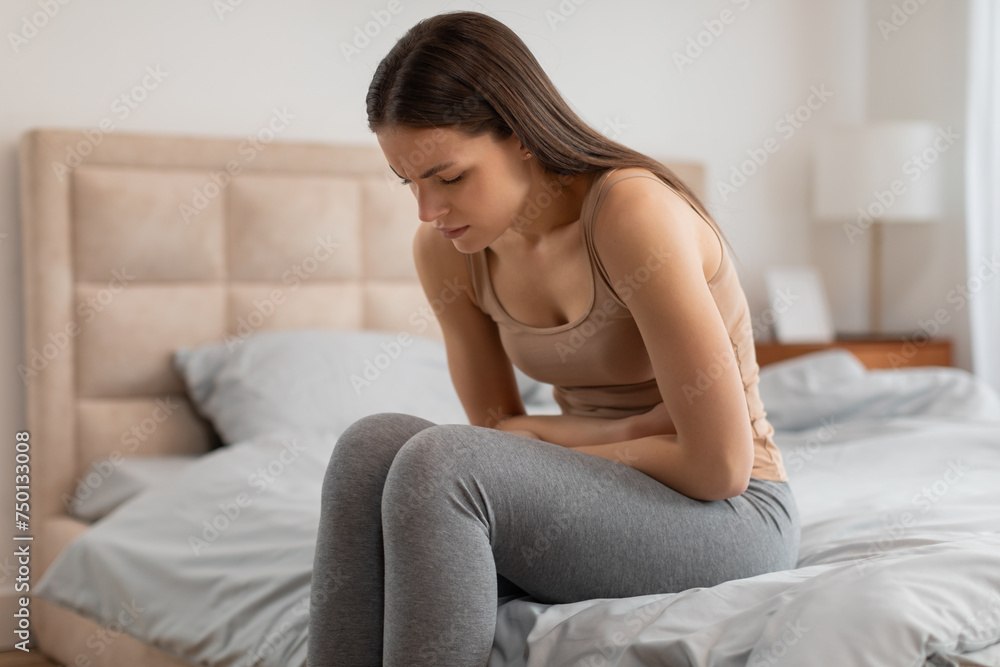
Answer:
(647, 442)
(663, 458)
(574, 431)
(567, 430)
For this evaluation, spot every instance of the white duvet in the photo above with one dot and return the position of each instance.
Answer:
(899, 565)
(897, 476)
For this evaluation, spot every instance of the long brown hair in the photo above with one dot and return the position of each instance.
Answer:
(468, 71)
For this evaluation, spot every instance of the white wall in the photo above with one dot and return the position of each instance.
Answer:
(614, 61)
(918, 72)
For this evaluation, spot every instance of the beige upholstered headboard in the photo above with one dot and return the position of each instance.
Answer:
(137, 244)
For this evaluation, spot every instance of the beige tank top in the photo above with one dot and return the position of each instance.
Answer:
(598, 364)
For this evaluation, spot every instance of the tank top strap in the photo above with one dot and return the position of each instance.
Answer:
(475, 265)
(600, 190)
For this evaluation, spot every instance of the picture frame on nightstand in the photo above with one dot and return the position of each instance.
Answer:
(799, 304)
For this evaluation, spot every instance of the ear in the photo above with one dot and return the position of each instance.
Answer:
(523, 150)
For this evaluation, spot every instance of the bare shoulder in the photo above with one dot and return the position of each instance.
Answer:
(639, 211)
(629, 195)
(437, 261)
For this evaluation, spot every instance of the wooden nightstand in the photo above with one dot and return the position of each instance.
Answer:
(885, 352)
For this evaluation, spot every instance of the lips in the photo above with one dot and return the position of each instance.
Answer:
(453, 232)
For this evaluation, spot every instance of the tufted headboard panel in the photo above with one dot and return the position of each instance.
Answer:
(137, 244)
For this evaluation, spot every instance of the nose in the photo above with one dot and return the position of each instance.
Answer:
(430, 207)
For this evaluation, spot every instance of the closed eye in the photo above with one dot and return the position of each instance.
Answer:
(407, 181)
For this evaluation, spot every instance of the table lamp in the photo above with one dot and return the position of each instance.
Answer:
(868, 175)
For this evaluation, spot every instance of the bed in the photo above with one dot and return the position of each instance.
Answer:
(194, 306)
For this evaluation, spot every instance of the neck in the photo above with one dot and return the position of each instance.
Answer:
(554, 203)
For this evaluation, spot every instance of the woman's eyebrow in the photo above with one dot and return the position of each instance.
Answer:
(430, 172)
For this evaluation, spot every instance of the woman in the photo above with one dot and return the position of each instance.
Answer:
(659, 476)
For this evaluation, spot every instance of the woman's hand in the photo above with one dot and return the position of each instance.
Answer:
(527, 434)
(655, 422)
(516, 431)
(567, 430)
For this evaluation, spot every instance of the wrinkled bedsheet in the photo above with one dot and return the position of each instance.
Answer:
(899, 561)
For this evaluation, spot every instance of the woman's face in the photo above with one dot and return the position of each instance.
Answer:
(483, 185)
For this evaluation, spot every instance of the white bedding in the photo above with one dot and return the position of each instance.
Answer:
(886, 574)
(899, 560)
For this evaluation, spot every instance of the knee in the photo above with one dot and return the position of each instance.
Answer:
(437, 451)
(429, 463)
(373, 440)
(381, 427)
(398, 422)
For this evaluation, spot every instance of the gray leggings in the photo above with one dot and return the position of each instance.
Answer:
(424, 527)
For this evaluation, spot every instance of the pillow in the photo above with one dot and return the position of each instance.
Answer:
(277, 382)
(218, 563)
(814, 389)
(111, 481)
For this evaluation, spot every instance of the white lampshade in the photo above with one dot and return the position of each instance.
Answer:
(888, 170)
